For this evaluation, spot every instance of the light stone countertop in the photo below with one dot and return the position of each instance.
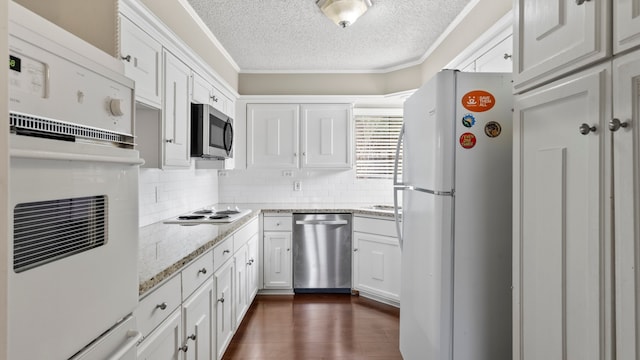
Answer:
(164, 249)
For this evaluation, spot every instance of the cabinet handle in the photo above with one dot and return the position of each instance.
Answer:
(580, 2)
(191, 337)
(183, 348)
(226, 251)
(615, 124)
(203, 270)
(169, 141)
(585, 129)
(126, 58)
(162, 306)
(221, 300)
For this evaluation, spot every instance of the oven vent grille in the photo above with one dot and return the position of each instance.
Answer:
(46, 231)
(43, 127)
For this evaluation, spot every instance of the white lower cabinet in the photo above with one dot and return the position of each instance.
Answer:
(241, 298)
(278, 272)
(224, 306)
(376, 259)
(253, 272)
(197, 318)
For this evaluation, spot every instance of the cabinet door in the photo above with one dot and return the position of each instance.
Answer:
(240, 298)
(254, 268)
(326, 136)
(164, 342)
(201, 89)
(142, 57)
(626, 25)
(553, 37)
(277, 260)
(272, 136)
(561, 296)
(376, 265)
(176, 112)
(224, 307)
(197, 319)
(498, 58)
(626, 156)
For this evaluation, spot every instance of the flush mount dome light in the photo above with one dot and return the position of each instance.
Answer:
(343, 12)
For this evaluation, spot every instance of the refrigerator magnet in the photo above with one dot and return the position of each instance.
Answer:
(468, 120)
(467, 140)
(492, 129)
(478, 101)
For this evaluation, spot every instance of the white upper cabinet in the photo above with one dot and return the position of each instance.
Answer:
(289, 136)
(497, 59)
(272, 136)
(326, 136)
(176, 112)
(554, 37)
(626, 26)
(205, 93)
(142, 57)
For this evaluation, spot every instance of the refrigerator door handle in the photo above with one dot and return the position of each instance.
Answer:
(397, 186)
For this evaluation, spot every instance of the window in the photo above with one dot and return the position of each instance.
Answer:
(376, 139)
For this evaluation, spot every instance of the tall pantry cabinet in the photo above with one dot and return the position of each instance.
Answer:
(576, 180)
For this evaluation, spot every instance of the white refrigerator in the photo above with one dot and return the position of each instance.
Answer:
(456, 218)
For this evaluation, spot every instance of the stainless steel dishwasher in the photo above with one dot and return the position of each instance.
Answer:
(322, 253)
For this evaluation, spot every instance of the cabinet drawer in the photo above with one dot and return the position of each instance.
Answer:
(222, 252)
(196, 273)
(375, 226)
(278, 223)
(247, 232)
(157, 306)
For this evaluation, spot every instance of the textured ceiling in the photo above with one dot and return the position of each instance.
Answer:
(295, 36)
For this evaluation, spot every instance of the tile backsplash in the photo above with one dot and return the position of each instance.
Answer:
(317, 186)
(167, 193)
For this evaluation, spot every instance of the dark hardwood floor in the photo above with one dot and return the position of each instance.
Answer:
(318, 326)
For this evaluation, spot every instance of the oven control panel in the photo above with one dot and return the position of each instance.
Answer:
(44, 82)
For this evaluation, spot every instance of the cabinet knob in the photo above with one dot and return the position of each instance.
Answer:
(304, 153)
(213, 98)
(288, 249)
(126, 58)
(226, 251)
(203, 271)
(183, 348)
(221, 300)
(585, 129)
(191, 337)
(162, 306)
(615, 124)
(355, 250)
(507, 56)
(169, 141)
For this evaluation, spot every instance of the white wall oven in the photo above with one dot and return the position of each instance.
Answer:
(73, 199)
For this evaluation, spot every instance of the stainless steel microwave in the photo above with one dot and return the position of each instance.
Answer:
(211, 133)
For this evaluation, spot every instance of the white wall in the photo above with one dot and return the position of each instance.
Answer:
(167, 193)
(318, 187)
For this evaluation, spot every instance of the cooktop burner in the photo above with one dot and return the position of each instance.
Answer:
(227, 212)
(191, 217)
(218, 217)
(203, 212)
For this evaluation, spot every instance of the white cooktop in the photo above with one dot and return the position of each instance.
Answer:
(210, 216)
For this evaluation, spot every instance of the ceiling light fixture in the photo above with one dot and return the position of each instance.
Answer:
(343, 12)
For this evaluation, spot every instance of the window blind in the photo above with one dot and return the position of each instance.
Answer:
(376, 139)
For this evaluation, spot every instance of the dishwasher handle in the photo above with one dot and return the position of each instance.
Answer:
(322, 222)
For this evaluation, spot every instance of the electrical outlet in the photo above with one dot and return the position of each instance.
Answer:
(297, 186)
(222, 174)
(287, 173)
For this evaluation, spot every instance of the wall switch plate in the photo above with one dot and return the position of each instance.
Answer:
(297, 185)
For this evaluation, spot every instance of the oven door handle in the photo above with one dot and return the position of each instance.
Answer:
(43, 155)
